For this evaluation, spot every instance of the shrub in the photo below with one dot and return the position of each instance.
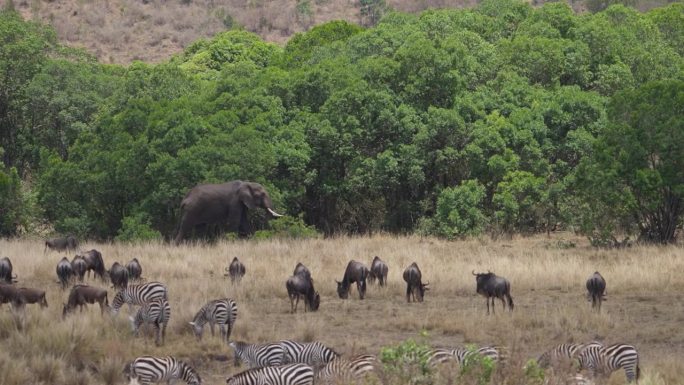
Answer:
(287, 227)
(137, 227)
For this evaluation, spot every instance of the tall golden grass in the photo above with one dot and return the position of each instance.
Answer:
(547, 278)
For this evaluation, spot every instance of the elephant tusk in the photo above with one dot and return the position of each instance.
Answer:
(275, 214)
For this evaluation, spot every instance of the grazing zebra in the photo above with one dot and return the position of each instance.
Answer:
(219, 311)
(293, 374)
(157, 313)
(563, 353)
(461, 355)
(311, 353)
(255, 356)
(604, 360)
(346, 370)
(138, 295)
(147, 370)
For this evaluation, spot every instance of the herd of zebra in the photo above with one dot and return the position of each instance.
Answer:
(289, 362)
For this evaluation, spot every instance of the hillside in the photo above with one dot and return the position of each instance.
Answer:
(120, 31)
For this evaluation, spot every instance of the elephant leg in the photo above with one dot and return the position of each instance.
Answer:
(234, 218)
(244, 228)
(184, 229)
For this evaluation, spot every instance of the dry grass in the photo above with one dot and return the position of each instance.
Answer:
(120, 31)
(643, 307)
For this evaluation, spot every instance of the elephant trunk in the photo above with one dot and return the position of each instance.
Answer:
(275, 214)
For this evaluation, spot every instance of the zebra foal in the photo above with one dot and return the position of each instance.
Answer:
(138, 295)
(311, 353)
(603, 360)
(563, 354)
(293, 374)
(255, 356)
(147, 370)
(219, 311)
(157, 313)
(346, 370)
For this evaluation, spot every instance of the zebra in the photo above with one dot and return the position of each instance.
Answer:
(346, 370)
(255, 356)
(462, 355)
(138, 295)
(156, 312)
(293, 374)
(219, 311)
(147, 370)
(604, 360)
(563, 353)
(311, 353)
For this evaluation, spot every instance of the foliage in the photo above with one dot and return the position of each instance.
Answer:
(10, 201)
(503, 117)
(407, 362)
(287, 227)
(477, 366)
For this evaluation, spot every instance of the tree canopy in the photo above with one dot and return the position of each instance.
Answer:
(503, 118)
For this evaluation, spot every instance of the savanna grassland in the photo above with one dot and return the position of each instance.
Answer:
(547, 275)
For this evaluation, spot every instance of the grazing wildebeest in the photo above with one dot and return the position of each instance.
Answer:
(134, 270)
(492, 286)
(10, 294)
(79, 266)
(355, 272)
(119, 276)
(596, 287)
(94, 262)
(378, 270)
(236, 270)
(61, 244)
(81, 295)
(6, 271)
(33, 296)
(301, 286)
(302, 270)
(414, 286)
(65, 272)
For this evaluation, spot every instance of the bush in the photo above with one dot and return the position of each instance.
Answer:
(10, 201)
(137, 228)
(460, 210)
(406, 363)
(288, 227)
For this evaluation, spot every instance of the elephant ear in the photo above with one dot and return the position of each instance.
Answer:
(246, 195)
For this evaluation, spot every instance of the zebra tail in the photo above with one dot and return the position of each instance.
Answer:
(638, 372)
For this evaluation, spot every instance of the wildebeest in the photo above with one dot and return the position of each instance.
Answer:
(6, 271)
(134, 270)
(119, 276)
(61, 244)
(298, 286)
(414, 285)
(492, 286)
(94, 262)
(302, 270)
(596, 288)
(378, 270)
(236, 270)
(65, 272)
(81, 295)
(10, 294)
(355, 272)
(79, 266)
(33, 296)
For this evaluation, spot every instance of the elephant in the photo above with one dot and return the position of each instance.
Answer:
(212, 203)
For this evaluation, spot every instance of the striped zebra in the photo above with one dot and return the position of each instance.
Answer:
(147, 370)
(157, 312)
(603, 360)
(461, 355)
(563, 354)
(255, 356)
(346, 370)
(311, 353)
(138, 295)
(219, 311)
(293, 374)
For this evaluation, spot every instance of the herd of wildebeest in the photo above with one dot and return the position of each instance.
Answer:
(289, 362)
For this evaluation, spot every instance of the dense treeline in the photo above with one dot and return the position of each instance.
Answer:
(504, 118)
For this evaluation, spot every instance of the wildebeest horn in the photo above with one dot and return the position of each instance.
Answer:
(474, 272)
(275, 214)
(426, 284)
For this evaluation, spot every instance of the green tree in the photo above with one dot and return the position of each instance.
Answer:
(460, 210)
